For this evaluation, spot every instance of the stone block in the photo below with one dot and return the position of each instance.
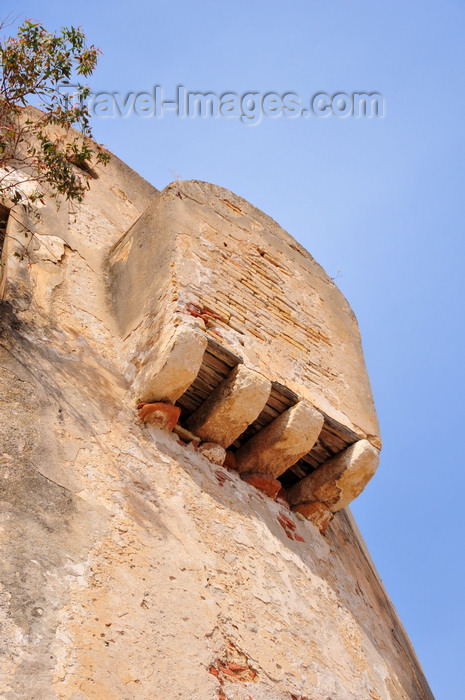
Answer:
(269, 486)
(163, 415)
(214, 452)
(282, 442)
(232, 407)
(317, 513)
(168, 376)
(339, 480)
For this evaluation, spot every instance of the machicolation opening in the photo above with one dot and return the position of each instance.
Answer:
(216, 365)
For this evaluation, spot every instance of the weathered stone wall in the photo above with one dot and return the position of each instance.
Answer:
(131, 566)
(202, 248)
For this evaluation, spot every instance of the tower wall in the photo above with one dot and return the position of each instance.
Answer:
(133, 566)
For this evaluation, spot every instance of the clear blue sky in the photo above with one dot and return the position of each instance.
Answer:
(382, 200)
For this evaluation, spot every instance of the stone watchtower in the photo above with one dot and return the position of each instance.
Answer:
(186, 417)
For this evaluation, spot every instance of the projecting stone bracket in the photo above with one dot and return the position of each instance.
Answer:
(335, 484)
(281, 443)
(232, 407)
(174, 368)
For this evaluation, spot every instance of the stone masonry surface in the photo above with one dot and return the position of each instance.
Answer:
(132, 566)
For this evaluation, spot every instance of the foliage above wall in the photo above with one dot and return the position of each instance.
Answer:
(39, 147)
